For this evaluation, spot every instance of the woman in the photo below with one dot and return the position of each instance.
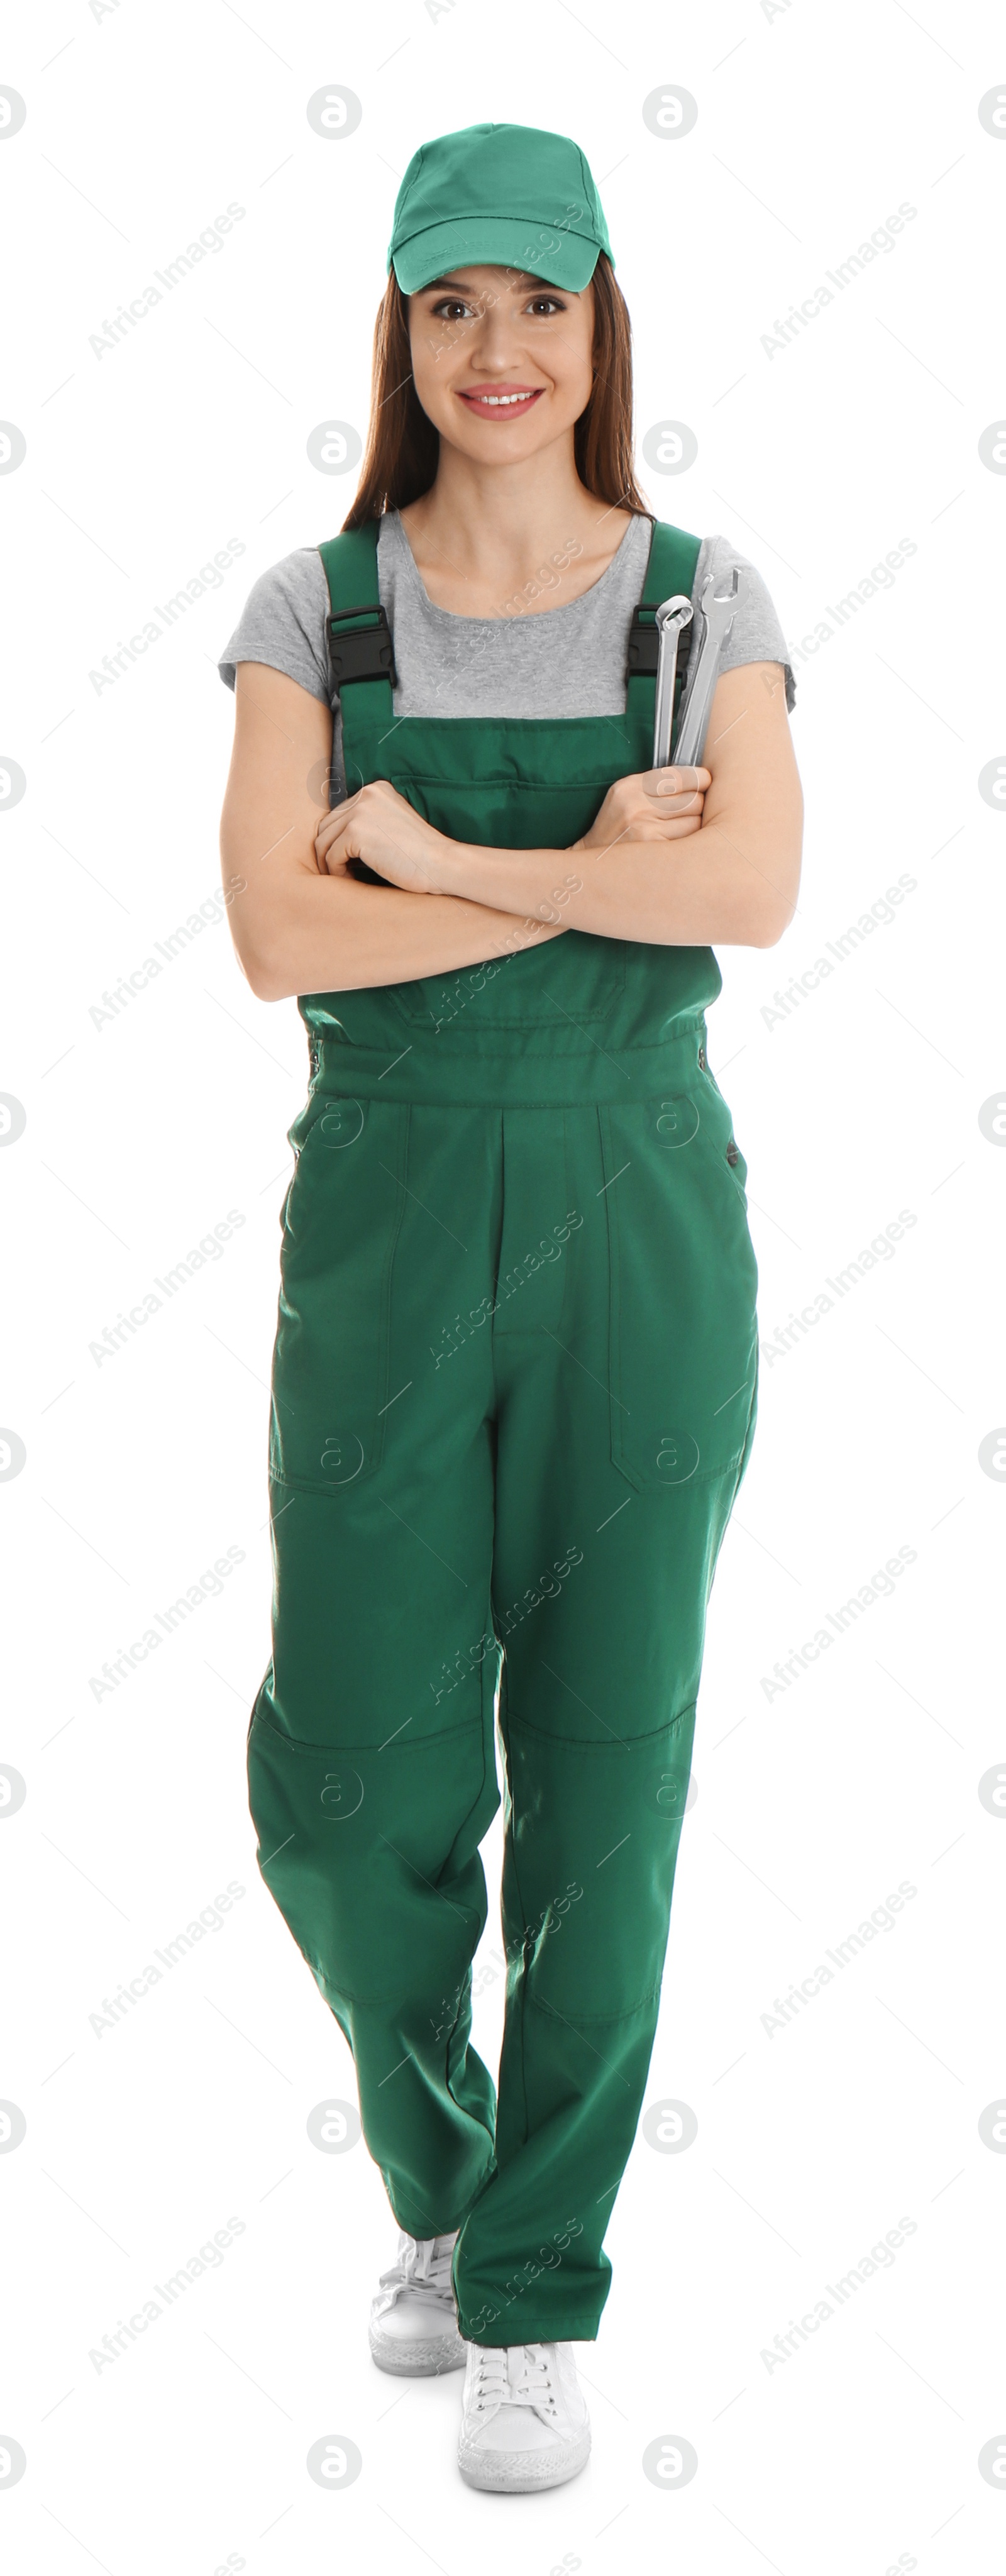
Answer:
(514, 1377)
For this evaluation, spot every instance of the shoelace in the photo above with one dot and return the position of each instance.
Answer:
(423, 2269)
(514, 2375)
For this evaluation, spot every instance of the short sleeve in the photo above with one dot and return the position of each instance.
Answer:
(757, 635)
(282, 623)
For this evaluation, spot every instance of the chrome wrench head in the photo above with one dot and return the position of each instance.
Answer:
(679, 609)
(718, 608)
(672, 616)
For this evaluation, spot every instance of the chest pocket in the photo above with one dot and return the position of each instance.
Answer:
(569, 980)
(508, 783)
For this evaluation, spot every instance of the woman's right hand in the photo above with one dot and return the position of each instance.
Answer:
(651, 805)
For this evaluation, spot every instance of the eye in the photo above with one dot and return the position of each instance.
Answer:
(552, 301)
(451, 308)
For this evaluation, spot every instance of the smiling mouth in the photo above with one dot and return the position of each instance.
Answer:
(506, 403)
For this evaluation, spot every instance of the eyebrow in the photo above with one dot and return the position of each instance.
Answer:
(463, 285)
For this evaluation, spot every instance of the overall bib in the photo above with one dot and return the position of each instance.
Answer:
(514, 1391)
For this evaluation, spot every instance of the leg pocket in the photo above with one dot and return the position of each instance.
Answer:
(683, 1341)
(372, 1857)
(341, 1220)
(590, 1862)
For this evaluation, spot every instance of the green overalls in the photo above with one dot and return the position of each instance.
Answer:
(513, 1398)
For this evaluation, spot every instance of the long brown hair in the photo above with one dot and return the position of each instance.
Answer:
(403, 447)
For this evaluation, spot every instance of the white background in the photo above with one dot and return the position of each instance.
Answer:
(860, 2450)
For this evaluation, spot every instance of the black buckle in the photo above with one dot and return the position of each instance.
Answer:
(643, 643)
(369, 654)
(644, 646)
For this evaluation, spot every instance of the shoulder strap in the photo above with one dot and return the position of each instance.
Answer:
(671, 568)
(360, 645)
(673, 558)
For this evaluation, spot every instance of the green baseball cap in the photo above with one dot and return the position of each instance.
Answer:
(510, 196)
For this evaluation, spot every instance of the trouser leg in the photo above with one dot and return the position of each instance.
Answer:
(602, 1573)
(371, 1760)
(371, 1853)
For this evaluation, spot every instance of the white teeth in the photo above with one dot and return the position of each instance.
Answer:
(499, 400)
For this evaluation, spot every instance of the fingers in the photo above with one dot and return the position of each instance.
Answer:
(672, 793)
(670, 798)
(330, 841)
(327, 833)
(677, 782)
(669, 810)
(334, 823)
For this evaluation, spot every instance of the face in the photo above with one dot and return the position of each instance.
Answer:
(501, 361)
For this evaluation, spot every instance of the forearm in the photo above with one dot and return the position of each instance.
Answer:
(325, 934)
(691, 892)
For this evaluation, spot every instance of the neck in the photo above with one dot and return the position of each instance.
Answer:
(491, 521)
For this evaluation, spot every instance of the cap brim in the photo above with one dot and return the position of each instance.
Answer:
(561, 258)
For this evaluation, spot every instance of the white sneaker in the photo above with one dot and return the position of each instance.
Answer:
(524, 2422)
(413, 2320)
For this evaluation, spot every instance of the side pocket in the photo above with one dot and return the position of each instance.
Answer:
(341, 1220)
(718, 1135)
(683, 1285)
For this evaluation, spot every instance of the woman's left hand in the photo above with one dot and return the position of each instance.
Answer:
(651, 805)
(382, 828)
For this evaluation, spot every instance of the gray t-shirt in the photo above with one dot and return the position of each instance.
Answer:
(564, 661)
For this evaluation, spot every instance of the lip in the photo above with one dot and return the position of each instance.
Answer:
(477, 399)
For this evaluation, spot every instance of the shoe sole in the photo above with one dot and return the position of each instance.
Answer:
(523, 2472)
(419, 2360)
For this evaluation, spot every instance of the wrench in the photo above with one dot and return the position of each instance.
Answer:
(718, 610)
(670, 618)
